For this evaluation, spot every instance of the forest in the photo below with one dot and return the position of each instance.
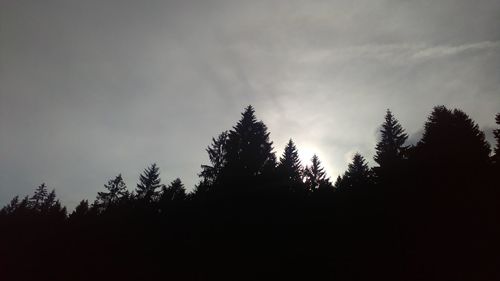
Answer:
(428, 211)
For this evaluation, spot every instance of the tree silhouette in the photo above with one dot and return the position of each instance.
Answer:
(217, 155)
(11, 207)
(52, 206)
(49, 201)
(289, 167)
(81, 211)
(338, 183)
(358, 175)
(430, 213)
(496, 133)
(315, 176)
(452, 145)
(21, 209)
(174, 191)
(149, 183)
(249, 151)
(40, 196)
(390, 150)
(116, 190)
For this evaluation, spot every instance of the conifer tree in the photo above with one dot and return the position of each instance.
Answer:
(174, 191)
(81, 210)
(315, 176)
(49, 201)
(338, 183)
(289, 166)
(451, 140)
(217, 155)
(496, 133)
(51, 207)
(358, 174)
(149, 182)
(24, 207)
(11, 207)
(249, 151)
(116, 190)
(39, 196)
(390, 150)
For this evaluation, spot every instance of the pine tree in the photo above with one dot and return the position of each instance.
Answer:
(50, 200)
(390, 150)
(496, 133)
(116, 188)
(39, 196)
(358, 174)
(174, 191)
(289, 166)
(11, 207)
(339, 184)
(149, 182)
(249, 151)
(24, 207)
(52, 208)
(80, 211)
(315, 176)
(217, 155)
(452, 141)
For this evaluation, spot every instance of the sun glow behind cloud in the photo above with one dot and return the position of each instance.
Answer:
(154, 81)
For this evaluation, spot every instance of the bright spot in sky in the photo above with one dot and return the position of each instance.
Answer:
(306, 152)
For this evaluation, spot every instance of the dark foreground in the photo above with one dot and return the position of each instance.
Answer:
(426, 212)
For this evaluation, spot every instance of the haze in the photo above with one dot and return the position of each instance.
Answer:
(90, 89)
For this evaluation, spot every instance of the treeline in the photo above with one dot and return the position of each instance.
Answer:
(428, 211)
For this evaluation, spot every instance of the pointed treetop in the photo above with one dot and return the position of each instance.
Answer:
(174, 191)
(249, 110)
(40, 195)
(249, 150)
(391, 149)
(149, 182)
(217, 156)
(247, 117)
(289, 166)
(358, 164)
(338, 182)
(358, 174)
(290, 156)
(315, 175)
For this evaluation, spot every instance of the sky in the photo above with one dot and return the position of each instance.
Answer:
(90, 89)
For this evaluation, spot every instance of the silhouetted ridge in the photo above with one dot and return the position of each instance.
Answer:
(424, 212)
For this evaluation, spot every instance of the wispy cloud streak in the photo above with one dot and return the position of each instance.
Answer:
(396, 53)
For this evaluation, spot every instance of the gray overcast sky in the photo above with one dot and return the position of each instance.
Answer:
(90, 89)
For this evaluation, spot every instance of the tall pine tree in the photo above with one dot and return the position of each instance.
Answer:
(315, 176)
(358, 175)
(39, 196)
(390, 150)
(217, 155)
(175, 191)
(249, 152)
(289, 167)
(452, 145)
(149, 183)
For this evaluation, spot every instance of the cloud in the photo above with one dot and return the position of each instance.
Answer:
(395, 53)
(442, 51)
(90, 89)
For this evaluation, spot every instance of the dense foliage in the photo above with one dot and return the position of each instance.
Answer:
(425, 212)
